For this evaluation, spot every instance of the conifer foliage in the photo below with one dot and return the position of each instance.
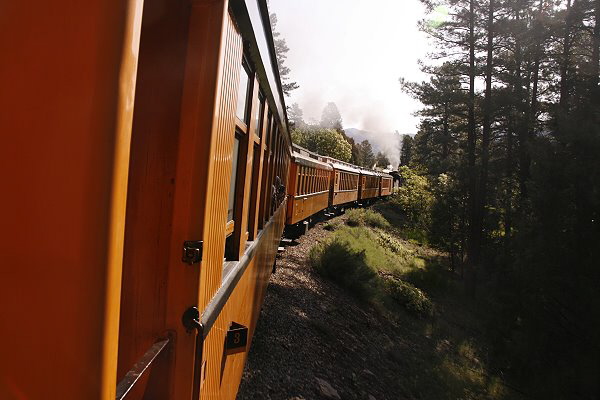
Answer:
(510, 140)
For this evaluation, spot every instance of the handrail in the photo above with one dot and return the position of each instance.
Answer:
(215, 306)
(138, 369)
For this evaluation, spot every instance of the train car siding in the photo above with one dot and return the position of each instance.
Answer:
(166, 195)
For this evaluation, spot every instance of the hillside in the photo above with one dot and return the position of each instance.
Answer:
(316, 340)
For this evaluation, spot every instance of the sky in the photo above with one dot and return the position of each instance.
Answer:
(352, 52)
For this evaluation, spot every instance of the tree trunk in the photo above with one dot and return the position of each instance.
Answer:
(522, 113)
(596, 55)
(508, 194)
(487, 124)
(446, 143)
(473, 247)
(564, 61)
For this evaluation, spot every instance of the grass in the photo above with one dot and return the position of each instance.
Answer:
(410, 283)
(365, 217)
(357, 252)
(340, 261)
(411, 297)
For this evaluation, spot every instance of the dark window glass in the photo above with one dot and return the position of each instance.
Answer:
(243, 90)
(234, 167)
(259, 115)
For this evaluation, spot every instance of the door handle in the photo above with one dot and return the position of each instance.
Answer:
(191, 322)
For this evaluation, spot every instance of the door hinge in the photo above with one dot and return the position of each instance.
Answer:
(192, 251)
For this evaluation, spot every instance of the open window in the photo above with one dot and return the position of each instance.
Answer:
(239, 155)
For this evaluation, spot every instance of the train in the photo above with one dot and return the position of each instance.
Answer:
(148, 174)
(320, 183)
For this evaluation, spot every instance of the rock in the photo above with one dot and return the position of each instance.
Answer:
(371, 397)
(368, 372)
(326, 390)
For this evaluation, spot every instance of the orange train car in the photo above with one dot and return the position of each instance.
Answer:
(385, 184)
(308, 191)
(146, 161)
(344, 185)
(369, 184)
(145, 148)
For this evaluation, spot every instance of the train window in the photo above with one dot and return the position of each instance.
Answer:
(254, 192)
(243, 93)
(232, 182)
(258, 123)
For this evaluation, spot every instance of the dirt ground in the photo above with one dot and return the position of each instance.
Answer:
(316, 341)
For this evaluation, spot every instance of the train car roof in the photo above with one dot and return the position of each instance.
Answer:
(344, 167)
(309, 162)
(341, 165)
(252, 18)
(369, 172)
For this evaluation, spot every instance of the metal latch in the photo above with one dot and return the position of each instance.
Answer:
(192, 251)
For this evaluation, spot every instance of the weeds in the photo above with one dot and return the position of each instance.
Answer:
(337, 260)
(352, 256)
(332, 225)
(365, 217)
(413, 299)
(376, 263)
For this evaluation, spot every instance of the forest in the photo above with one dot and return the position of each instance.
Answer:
(505, 170)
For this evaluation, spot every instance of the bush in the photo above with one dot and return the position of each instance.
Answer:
(414, 198)
(412, 298)
(332, 225)
(337, 260)
(364, 217)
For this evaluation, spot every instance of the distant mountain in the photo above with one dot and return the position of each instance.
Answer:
(388, 143)
(359, 135)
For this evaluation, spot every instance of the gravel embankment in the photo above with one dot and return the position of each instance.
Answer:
(314, 341)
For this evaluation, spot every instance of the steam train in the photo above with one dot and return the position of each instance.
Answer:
(320, 183)
(145, 151)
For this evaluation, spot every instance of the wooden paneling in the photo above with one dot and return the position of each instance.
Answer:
(201, 178)
(345, 197)
(224, 372)
(307, 205)
(257, 163)
(219, 171)
(347, 192)
(153, 161)
(386, 186)
(369, 186)
(68, 82)
(264, 190)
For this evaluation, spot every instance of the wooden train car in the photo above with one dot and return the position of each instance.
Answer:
(368, 187)
(145, 165)
(344, 186)
(385, 184)
(144, 160)
(344, 181)
(308, 192)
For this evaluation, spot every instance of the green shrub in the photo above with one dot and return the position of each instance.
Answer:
(413, 299)
(414, 198)
(388, 241)
(431, 276)
(375, 219)
(332, 225)
(337, 260)
(365, 217)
